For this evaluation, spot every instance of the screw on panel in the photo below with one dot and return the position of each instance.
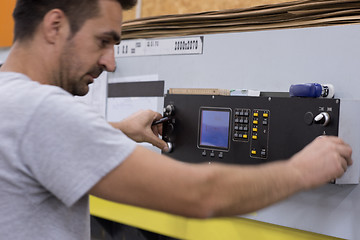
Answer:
(269, 99)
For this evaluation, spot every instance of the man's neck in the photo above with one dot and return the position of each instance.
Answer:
(28, 59)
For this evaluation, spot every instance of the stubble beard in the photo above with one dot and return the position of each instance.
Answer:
(67, 77)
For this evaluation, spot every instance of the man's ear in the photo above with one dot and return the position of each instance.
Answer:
(55, 25)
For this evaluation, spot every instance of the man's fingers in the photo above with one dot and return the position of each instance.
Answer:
(157, 129)
(344, 165)
(342, 148)
(157, 142)
(345, 152)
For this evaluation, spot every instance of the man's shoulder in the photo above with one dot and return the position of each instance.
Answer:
(28, 97)
(20, 83)
(18, 89)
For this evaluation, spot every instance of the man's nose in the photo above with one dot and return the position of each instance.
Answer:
(107, 60)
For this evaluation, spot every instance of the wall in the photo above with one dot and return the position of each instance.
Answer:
(6, 22)
(3, 54)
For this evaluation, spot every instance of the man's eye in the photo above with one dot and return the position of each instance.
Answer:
(105, 42)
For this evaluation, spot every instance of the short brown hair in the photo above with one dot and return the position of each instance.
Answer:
(29, 13)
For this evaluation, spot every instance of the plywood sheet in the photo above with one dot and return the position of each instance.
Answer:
(129, 14)
(164, 7)
(296, 14)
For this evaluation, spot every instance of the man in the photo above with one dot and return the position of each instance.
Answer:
(54, 151)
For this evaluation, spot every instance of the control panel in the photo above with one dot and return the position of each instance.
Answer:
(242, 129)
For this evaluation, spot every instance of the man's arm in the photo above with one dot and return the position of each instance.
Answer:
(150, 180)
(138, 127)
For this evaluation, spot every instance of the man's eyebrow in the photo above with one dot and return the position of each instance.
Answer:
(115, 36)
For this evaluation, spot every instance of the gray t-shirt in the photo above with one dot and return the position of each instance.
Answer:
(53, 149)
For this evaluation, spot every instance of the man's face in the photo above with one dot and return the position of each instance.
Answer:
(91, 49)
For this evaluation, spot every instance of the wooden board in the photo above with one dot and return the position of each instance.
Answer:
(163, 7)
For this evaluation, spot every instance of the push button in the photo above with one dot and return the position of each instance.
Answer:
(212, 154)
(203, 153)
(263, 152)
(254, 137)
(253, 152)
(221, 155)
(265, 115)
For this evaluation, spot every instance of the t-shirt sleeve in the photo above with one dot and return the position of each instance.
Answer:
(68, 148)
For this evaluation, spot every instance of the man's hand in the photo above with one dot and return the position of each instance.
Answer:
(322, 161)
(138, 128)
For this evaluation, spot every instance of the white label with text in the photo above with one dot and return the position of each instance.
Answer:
(151, 47)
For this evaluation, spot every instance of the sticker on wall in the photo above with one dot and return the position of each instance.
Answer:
(153, 47)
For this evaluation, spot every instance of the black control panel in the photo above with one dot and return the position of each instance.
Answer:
(242, 129)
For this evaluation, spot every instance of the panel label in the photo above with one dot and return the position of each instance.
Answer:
(153, 47)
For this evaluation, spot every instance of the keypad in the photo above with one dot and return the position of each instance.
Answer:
(240, 131)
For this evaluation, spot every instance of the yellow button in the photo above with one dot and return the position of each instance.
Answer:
(254, 129)
(255, 122)
(244, 136)
(256, 114)
(254, 137)
(253, 152)
(265, 114)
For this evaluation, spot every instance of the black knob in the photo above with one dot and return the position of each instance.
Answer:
(308, 118)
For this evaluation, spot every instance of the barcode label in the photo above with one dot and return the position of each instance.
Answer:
(152, 47)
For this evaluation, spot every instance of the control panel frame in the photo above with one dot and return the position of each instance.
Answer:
(281, 123)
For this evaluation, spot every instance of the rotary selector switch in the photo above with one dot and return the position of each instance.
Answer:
(322, 118)
(169, 110)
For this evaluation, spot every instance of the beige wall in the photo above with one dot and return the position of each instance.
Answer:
(6, 22)
(162, 7)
